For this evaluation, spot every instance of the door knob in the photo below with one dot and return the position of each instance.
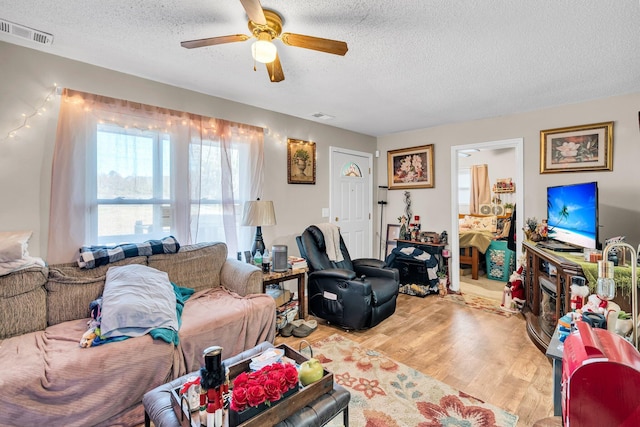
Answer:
(336, 219)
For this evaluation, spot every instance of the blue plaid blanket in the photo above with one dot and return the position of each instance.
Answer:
(95, 256)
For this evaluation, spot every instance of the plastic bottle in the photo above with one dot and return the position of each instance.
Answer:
(257, 259)
(266, 261)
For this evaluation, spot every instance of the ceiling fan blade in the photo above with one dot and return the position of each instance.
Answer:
(275, 70)
(316, 43)
(254, 11)
(214, 40)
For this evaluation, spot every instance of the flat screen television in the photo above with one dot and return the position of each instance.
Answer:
(572, 214)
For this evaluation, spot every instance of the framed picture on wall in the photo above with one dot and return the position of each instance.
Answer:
(577, 148)
(410, 167)
(301, 161)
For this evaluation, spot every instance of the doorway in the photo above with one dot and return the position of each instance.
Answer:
(518, 145)
(350, 205)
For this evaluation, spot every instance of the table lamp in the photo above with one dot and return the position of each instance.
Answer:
(258, 213)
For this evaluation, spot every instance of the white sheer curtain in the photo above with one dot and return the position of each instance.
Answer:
(480, 188)
(216, 166)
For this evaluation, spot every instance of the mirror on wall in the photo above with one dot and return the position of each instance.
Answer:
(504, 165)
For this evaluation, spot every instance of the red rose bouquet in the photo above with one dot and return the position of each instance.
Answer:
(264, 386)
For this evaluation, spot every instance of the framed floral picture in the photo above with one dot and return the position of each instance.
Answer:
(410, 167)
(577, 148)
(301, 161)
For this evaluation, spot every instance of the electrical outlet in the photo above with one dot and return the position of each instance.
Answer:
(325, 212)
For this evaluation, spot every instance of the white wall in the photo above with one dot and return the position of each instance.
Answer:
(619, 191)
(25, 161)
(501, 164)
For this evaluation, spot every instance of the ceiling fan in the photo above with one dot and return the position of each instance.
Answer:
(265, 26)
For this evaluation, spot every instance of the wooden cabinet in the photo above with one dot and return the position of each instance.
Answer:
(546, 271)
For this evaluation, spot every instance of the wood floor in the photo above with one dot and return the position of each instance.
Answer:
(485, 355)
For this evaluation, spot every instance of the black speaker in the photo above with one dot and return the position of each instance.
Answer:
(279, 258)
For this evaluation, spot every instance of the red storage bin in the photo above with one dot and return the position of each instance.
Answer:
(600, 379)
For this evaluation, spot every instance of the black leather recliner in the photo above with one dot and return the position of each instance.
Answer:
(354, 294)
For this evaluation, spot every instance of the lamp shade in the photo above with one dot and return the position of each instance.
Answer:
(259, 213)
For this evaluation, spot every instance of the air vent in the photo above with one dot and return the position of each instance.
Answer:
(322, 116)
(23, 32)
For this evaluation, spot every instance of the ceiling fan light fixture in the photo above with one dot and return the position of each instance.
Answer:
(263, 50)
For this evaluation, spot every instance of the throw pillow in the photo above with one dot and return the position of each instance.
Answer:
(13, 245)
(483, 223)
(137, 299)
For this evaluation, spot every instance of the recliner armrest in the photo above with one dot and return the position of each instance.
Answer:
(333, 273)
(368, 262)
(369, 271)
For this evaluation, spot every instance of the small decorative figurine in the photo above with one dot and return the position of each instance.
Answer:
(404, 233)
(212, 387)
(444, 237)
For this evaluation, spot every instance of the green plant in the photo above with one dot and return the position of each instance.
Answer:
(301, 154)
(508, 205)
(532, 223)
(442, 274)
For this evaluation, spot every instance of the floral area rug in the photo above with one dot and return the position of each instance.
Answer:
(386, 393)
(481, 303)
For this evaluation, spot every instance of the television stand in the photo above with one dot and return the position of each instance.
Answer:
(546, 269)
(557, 246)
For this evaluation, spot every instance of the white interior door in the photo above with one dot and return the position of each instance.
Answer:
(350, 200)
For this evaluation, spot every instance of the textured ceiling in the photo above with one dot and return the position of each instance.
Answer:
(410, 64)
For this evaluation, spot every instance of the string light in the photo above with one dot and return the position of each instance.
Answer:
(38, 111)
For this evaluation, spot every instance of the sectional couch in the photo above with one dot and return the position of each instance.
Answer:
(47, 378)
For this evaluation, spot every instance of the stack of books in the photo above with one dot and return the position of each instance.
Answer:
(296, 262)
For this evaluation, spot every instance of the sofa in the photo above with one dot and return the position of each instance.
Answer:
(47, 378)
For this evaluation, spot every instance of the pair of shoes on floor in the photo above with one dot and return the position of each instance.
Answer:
(299, 328)
(287, 330)
(305, 329)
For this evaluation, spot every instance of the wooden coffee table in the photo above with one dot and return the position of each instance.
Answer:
(312, 406)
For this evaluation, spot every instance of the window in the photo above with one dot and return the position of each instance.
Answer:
(131, 186)
(133, 182)
(129, 172)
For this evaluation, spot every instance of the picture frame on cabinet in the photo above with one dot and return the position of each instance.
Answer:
(393, 233)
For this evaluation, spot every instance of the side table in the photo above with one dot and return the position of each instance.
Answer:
(291, 274)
